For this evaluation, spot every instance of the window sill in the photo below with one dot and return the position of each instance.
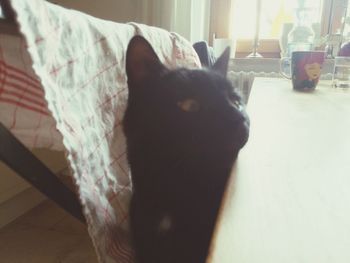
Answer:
(270, 65)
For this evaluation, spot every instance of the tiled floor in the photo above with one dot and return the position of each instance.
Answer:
(46, 234)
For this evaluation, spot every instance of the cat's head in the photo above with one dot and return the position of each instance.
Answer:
(193, 106)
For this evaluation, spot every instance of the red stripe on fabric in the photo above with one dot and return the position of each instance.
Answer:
(38, 40)
(99, 179)
(90, 118)
(14, 119)
(36, 131)
(124, 219)
(2, 81)
(121, 251)
(23, 89)
(2, 74)
(22, 105)
(29, 82)
(116, 194)
(21, 96)
(23, 53)
(110, 98)
(91, 79)
(117, 158)
(123, 188)
(115, 246)
(121, 168)
(55, 70)
(53, 126)
(69, 128)
(23, 80)
(17, 70)
(46, 18)
(118, 249)
(106, 214)
(98, 74)
(112, 196)
(103, 139)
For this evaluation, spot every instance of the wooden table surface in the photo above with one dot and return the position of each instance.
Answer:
(289, 196)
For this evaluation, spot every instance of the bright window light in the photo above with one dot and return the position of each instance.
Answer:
(273, 14)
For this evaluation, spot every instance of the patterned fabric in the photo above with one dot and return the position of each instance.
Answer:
(80, 61)
(23, 108)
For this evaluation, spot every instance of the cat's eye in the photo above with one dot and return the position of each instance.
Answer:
(189, 105)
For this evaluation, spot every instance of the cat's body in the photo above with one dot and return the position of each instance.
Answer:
(184, 129)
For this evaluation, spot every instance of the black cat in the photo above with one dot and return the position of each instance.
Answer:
(184, 129)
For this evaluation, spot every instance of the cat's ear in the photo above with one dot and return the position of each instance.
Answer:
(221, 64)
(141, 60)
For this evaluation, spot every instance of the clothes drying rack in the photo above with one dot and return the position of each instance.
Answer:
(21, 160)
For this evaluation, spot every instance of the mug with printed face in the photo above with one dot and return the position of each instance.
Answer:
(305, 69)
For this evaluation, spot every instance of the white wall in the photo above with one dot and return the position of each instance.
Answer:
(189, 18)
(115, 10)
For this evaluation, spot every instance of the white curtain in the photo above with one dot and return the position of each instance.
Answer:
(189, 18)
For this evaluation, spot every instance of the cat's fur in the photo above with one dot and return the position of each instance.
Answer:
(184, 129)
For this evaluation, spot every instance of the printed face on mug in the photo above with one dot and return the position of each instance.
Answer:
(313, 71)
(306, 69)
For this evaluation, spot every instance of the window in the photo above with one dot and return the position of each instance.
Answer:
(273, 14)
(324, 15)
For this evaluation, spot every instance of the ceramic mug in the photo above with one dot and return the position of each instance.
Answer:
(305, 69)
